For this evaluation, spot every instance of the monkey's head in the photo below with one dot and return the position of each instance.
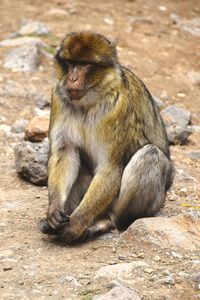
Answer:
(82, 60)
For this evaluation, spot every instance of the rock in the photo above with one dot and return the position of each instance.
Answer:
(55, 12)
(108, 21)
(19, 126)
(70, 280)
(119, 293)
(167, 280)
(37, 129)
(180, 232)
(178, 134)
(10, 89)
(173, 115)
(20, 41)
(139, 19)
(194, 128)
(5, 254)
(192, 26)
(160, 104)
(6, 129)
(123, 270)
(33, 28)
(41, 113)
(25, 58)
(194, 154)
(31, 161)
(194, 76)
(195, 280)
(176, 120)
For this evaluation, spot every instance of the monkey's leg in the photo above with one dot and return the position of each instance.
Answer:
(145, 181)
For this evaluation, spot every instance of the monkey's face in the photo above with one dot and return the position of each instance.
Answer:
(82, 62)
(80, 77)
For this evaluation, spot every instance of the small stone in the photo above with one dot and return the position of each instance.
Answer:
(176, 255)
(184, 190)
(139, 19)
(69, 279)
(148, 270)
(31, 161)
(174, 115)
(160, 104)
(108, 21)
(55, 12)
(37, 129)
(194, 155)
(20, 41)
(6, 129)
(9, 268)
(19, 126)
(123, 270)
(119, 293)
(194, 76)
(162, 8)
(33, 27)
(178, 134)
(157, 258)
(25, 58)
(121, 257)
(167, 280)
(5, 254)
(194, 128)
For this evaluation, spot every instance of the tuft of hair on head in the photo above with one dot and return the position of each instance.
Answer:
(87, 47)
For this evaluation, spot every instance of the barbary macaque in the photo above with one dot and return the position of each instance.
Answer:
(109, 161)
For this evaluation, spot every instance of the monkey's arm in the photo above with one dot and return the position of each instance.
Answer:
(63, 171)
(103, 190)
(63, 166)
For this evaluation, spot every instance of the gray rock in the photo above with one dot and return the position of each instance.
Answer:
(20, 41)
(173, 115)
(168, 280)
(11, 89)
(31, 161)
(176, 120)
(56, 12)
(178, 134)
(5, 254)
(33, 28)
(69, 280)
(195, 279)
(192, 26)
(194, 128)
(19, 126)
(194, 76)
(123, 270)
(119, 293)
(160, 104)
(25, 58)
(178, 233)
(139, 19)
(194, 154)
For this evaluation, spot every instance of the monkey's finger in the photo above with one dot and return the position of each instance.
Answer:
(58, 220)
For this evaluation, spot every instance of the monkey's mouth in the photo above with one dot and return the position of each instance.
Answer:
(76, 94)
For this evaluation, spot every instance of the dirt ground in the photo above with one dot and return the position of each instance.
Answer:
(162, 55)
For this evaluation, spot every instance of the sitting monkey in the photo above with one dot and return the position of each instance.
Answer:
(109, 160)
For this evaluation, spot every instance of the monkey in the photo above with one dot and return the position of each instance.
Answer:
(109, 158)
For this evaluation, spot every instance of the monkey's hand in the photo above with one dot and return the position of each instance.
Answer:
(56, 218)
(72, 231)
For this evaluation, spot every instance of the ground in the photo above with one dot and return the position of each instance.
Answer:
(161, 54)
